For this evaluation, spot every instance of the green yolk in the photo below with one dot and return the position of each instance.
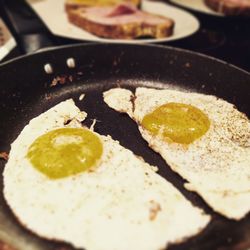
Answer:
(65, 152)
(177, 122)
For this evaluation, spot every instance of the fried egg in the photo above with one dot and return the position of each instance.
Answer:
(204, 139)
(65, 182)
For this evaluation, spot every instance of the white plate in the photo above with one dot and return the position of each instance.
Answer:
(53, 14)
(198, 5)
(7, 42)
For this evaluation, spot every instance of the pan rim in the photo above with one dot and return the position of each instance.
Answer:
(163, 47)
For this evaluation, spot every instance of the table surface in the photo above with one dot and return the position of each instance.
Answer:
(224, 38)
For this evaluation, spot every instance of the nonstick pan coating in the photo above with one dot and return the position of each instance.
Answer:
(26, 92)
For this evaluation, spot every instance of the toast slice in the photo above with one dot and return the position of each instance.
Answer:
(123, 21)
(76, 4)
(230, 7)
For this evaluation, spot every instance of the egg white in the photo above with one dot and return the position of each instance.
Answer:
(123, 204)
(217, 165)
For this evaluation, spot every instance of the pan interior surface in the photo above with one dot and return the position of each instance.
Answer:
(99, 68)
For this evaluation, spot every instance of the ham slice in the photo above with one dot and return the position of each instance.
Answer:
(75, 4)
(123, 21)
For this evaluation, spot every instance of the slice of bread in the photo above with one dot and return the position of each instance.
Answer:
(75, 4)
(123, 21)
(230, 7)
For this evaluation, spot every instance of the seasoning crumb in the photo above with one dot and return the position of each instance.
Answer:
(61, 80)
(54, 82)
(155, 207)
(81, 97)
(4, 156)
(48, 96)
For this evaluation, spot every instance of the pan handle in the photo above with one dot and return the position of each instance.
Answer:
(28, 30)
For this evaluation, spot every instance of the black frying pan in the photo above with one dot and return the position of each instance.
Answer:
(26, 91)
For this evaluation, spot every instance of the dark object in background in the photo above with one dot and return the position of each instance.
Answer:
(226, 38)
(29, 31)
(229, 7)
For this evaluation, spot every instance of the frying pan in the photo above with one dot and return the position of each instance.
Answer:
(27, 90)
(32, 84)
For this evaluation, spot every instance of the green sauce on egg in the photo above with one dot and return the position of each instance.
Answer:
(65, 152)
(177, 122)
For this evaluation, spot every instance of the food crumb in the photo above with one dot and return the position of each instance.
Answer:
(92, 127)
(48, 96)
(4, 156)
(71, 78)
(61, 80)
(155, 207)
(81, 97)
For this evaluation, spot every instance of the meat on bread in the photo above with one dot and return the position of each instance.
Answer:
(123, 21)
(76, 4)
